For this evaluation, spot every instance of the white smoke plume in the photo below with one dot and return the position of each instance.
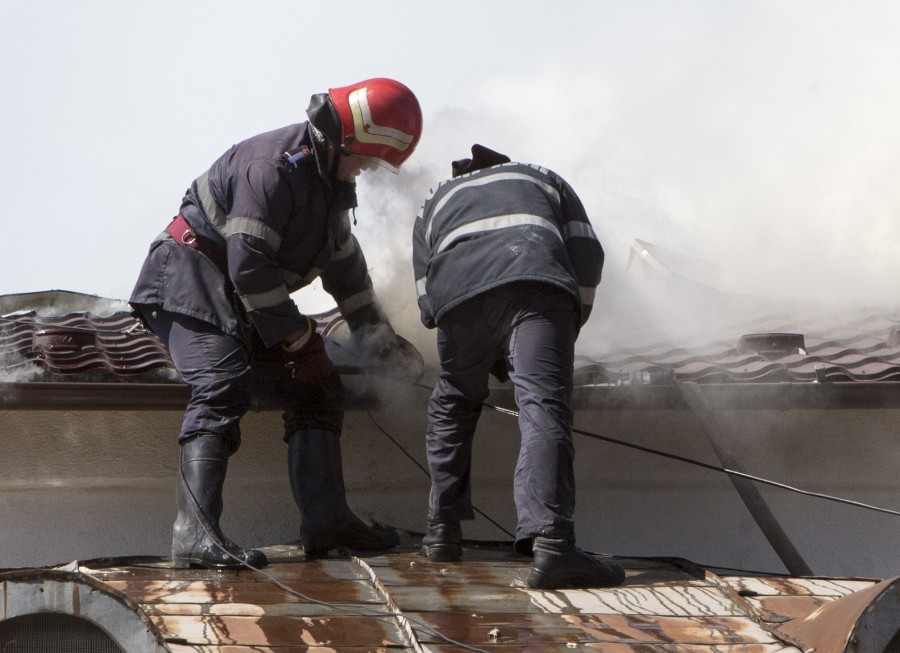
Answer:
(770, 151)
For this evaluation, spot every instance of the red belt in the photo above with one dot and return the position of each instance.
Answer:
(181, 231)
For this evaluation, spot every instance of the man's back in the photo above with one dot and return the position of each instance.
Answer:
(503, 224)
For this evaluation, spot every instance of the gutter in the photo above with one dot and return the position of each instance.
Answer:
(730, 396)
(69, 395)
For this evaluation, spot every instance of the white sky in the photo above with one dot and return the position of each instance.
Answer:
(761, 135)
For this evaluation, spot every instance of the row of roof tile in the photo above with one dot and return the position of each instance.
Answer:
(81, 346)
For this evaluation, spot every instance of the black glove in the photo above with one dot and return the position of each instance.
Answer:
(310, 363)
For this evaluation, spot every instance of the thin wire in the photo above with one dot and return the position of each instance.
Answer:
(359, 611)
(506, 411)
(716, 468)
(426, 472)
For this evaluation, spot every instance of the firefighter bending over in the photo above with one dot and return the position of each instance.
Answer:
(267, 218)
(506, 265)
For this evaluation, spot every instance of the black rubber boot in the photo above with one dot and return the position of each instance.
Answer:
(443, 543)
(560, 564)
(197, 540)
(316, 472)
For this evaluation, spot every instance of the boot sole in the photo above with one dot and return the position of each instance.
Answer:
(442, 552)
(193, 564)
(538, 580)
(187, 562)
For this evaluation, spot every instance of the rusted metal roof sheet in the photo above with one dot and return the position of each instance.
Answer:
(400, 601)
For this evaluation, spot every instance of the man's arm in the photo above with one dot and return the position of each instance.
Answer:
(254, 227)
(583, 247)
(421, 257)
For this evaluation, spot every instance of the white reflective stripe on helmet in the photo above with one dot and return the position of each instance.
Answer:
(498, 222)
(367, 131)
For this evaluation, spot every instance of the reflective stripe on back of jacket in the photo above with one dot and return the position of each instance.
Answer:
(507, 223)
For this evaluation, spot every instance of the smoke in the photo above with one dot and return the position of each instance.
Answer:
(762, 139)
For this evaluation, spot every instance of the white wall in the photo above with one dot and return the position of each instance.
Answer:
(89, 484)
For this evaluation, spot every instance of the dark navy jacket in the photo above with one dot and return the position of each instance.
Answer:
(280, 224)
(499, 225)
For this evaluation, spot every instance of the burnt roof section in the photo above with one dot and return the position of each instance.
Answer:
(400, 601)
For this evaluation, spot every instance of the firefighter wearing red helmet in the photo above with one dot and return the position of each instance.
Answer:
(378, 119)
(267, 218)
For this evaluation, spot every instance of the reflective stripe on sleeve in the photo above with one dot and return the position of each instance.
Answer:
(356, 302)
(499, 222)
(255, 228)
(587, 295)
(263, 300)
(346, 249)
(209, 205)
(420, 287)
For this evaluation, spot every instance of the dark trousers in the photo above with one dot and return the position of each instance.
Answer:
(227, 376)
(532, 327)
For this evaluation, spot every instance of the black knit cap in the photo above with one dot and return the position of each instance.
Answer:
(482, 157)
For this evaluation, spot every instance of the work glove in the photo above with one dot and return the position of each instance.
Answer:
(381, 349)
(309, 362)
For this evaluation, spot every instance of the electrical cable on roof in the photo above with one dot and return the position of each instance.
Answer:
(716, 468)
(419, 465)
(357, 610)
(731, 472)
(684, 459)
(721, 469)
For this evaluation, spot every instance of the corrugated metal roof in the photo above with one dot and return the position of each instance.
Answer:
(400, 601)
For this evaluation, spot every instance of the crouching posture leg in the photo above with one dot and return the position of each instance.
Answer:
(315, 467)
(197, 539)
(452, 418)
(540, 362)
(214, 365)
(316, 472)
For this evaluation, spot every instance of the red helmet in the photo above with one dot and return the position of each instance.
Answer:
(380, 118)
